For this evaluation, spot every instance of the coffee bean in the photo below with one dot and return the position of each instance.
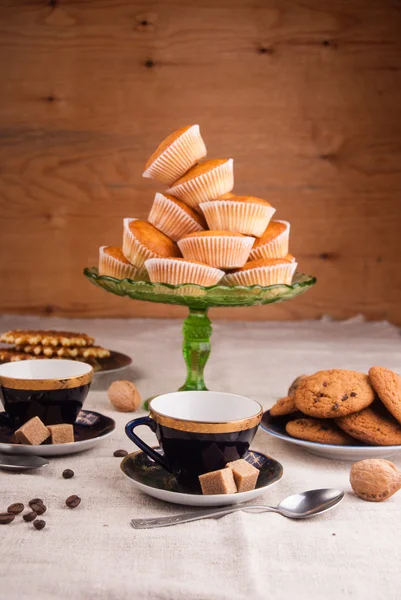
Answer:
(68, 473)
(31, 516)
(16, 508)
(35, 501)
(73, 501)
(39, 508)
(39, 524)
(120, 453)
(6, 518)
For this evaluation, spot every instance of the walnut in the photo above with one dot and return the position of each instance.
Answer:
(124, 396)
(375, 479)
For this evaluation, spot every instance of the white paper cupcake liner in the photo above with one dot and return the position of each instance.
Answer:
(241, 217)
(178, 157)
(111, 266)
(133, 250)
(264, 276)
(207, 186)
(222, 252)
(276, 248)
(171, 219)
(175, 272)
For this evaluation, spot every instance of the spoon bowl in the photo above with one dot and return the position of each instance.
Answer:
(310, 503)
(16, 462)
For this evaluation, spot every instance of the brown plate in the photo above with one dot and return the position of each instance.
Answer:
(115, 362)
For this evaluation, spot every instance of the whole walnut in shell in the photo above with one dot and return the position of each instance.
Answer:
(124, 396)
(375, 479)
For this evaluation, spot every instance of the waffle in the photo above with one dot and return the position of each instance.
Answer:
(64, 352)
(14, 356)
(46, 338)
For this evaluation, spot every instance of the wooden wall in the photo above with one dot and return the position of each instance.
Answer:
(305, 96)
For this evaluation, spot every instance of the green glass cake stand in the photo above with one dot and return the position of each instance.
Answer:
(197, 327)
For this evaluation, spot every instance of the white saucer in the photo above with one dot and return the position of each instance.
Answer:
(150, 478)
(90, 429)
(276, 428)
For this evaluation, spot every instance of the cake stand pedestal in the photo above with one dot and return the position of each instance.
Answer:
(197, 328)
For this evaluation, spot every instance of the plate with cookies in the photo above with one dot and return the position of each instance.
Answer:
(35, 344)
(341, 414)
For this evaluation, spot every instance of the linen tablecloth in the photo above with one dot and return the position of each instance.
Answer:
(93, 553)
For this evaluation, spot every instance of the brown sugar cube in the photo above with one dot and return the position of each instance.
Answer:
(61, 434)
(33, 432)
(245, 474)
(218, 482)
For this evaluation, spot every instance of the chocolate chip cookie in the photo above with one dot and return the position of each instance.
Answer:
(372, 427)
(318, 430)
(284, 406)
(295, 385)
(387, 385)
(334, 393)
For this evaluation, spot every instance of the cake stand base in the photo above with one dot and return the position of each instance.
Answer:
(197, 331)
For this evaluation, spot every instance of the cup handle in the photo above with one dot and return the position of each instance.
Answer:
(129, 430)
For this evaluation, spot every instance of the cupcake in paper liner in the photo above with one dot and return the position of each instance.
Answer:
(176, 154)
(205, 182)
(264, 272)
(273, 243)
(174, 218)
(227, 196)
(176, 271)
(241, 214)
(113, 263)
(141, 240)
(290, 258)
(220, 249)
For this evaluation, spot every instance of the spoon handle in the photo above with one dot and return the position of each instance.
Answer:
(196, 515)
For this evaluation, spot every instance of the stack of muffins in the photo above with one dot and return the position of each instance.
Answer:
(198, 231)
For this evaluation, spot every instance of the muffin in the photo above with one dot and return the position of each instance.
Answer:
(141, 240)
(264, 271)
(174, 218)
(175, 155)
(290, 258)
(241, 214)
(226, 196)
(273, 243)
(204, 182)
(113, 263)
(180, 270)
(220, 249)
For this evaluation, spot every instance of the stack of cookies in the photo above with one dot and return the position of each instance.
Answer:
(31, 344)
(198, 231)
(344, 407)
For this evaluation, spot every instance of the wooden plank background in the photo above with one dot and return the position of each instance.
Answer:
(304, 95)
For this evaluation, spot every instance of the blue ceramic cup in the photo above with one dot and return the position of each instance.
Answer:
(53, 390)
(198, 432)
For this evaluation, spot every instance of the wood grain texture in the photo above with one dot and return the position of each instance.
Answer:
(305, 96)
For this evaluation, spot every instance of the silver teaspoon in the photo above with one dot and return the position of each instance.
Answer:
(21, 462)
(299, 506)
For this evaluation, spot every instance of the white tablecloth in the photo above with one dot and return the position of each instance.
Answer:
(92, 553)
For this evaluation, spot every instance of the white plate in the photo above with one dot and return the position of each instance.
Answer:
(91, 427)
(151, 479)
(351, 453)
